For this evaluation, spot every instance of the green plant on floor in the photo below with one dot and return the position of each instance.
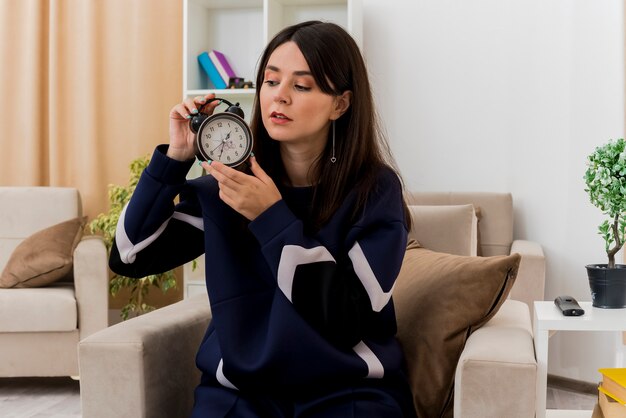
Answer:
(605, 179)
(106, 224)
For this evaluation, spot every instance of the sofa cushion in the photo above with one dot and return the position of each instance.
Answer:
(38, 310)
(44, 257)
(440, 299)
(451, 229)
(496, 221)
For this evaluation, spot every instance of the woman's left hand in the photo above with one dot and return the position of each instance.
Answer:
(250, 195)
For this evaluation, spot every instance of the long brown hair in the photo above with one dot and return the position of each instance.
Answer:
(337, 66)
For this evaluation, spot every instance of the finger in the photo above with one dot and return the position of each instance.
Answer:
(230, 172)
(209, 96)
(206, 104)
(225, 197)
(258, 171)
(191, 105)
(233, 199)
(180, 111)
(226, 192)
(217, 169)
(198, 103)
(222, 179)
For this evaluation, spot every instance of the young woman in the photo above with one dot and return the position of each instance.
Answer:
(301, 253)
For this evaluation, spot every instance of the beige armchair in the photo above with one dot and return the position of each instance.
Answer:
(40, 327)
(144, 367)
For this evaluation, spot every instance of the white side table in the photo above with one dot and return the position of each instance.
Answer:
(549, 318)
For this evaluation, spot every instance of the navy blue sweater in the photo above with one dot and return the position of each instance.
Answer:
(290, 309)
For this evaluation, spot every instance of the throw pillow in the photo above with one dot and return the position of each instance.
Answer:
(440, 299)
(451, 229)
(44, 257)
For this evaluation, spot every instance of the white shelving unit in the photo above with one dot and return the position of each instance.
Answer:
(240, 29)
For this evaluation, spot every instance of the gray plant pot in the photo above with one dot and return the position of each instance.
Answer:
(608, 286)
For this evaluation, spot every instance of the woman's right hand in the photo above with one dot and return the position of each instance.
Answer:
(182, 144)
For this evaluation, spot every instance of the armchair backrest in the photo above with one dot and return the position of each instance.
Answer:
(26, 210)
(494, 210)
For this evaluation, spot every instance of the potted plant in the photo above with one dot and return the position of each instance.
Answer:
(106, 224)
(605, 179)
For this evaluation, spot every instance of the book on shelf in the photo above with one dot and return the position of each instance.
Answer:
(614, 383)
(208, 66)
(222, 65)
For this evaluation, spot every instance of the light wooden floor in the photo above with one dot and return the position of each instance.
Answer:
(558, 398)
(51, 397)
(59, 397)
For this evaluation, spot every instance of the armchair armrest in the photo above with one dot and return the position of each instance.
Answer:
(496, 374)
(91, 283)
(144, 367)
(530, 282)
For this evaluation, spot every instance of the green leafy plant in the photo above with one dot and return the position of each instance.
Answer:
(106, 224)
(605, 179)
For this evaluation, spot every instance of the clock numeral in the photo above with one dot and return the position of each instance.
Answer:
(210, 152)
(219, 124)
(228, 157)
(212, 129)
(236, 154)
(236, 129)
(240, 145)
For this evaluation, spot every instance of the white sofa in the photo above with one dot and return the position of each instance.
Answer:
(496, 373)
(145, 367)
(40, 327)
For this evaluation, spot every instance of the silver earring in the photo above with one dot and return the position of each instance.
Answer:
(333, 159)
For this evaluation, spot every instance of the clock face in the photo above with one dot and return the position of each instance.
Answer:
(224, 137)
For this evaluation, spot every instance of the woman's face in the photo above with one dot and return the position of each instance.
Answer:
(293, 108)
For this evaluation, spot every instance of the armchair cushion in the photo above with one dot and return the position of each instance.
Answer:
(440, 299)
(50, 309)
(44, 257)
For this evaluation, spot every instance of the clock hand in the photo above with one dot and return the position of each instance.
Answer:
(221, 144)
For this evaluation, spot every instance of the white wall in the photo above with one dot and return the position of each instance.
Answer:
(511, 96)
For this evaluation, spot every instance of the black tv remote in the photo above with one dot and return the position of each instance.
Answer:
(568, 306)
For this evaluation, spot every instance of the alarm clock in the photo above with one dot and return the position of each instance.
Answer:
(224, 136)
